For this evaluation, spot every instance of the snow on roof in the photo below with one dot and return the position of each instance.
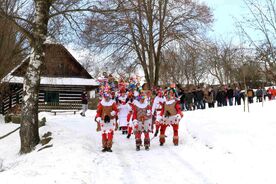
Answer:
(50, 40)
(55, 81)
(19, 65)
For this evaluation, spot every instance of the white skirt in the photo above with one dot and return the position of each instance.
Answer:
(122, 121)
(144, 126)
(108, 127)
(170, 120)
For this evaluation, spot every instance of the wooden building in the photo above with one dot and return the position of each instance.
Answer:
(63, 79)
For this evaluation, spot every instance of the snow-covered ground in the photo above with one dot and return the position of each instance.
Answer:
(217, 146)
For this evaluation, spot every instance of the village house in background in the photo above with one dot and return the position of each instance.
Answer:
(63, 80)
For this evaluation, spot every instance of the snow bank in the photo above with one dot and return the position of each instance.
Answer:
(2, 119)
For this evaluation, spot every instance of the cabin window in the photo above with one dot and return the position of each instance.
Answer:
(51, 96)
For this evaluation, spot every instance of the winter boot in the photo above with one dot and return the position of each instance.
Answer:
(147, 144)
(138, 144)
(109, 150)
(104, 143)
(162, 140)
(128, 136)
(109, 146)
(156, 133)
(175, 140)
(104, 149)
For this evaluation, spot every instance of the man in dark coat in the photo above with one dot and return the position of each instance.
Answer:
(84, 102)
(230, 95)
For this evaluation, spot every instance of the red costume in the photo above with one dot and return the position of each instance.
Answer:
(156, 110)
(171, 115)
(142, 120)
(106, 121)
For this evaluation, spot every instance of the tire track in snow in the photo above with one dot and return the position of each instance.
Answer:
(180, 160)
(126, 166)
(190, 167)
(115, 167)
(135, 167)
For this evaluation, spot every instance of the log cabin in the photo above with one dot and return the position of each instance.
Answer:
(63, 79)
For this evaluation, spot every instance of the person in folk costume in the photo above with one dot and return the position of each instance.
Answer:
(106, 120)
(142, 121)
(129, 121)
(130, 98)
(150, 98)
(171, 115)
(121, 84)
(156, 109)
(123, 110)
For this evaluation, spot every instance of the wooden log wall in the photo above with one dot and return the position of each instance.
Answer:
(69, 98)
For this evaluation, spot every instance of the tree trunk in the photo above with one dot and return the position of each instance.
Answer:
(29, 135)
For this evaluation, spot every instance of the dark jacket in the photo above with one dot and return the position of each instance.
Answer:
(199, 95)
(84, 98)
(230, 93)
(189, 97)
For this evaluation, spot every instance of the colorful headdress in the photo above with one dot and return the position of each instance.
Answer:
(141, 96)
(160, 91)
(106, 90)
(122, 90)
(168, 90)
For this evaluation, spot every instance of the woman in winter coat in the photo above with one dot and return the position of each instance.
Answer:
(189, 98)
(210, 98)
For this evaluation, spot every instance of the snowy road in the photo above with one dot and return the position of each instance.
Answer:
(125, 165)
(213, 149)
(167, 164)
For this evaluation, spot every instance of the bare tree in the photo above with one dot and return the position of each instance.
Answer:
(36, 29)
(248, 72)
(183, 64)
(261, 21)
(144, 28)
(221, 60)
(13, 45)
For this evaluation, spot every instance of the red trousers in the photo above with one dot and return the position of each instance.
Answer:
(157, 126)
(129, 130)
(163, 130)
(107, 136)
(138, 135)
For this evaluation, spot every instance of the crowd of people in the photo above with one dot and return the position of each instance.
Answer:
(197, 98)
(135, 109)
